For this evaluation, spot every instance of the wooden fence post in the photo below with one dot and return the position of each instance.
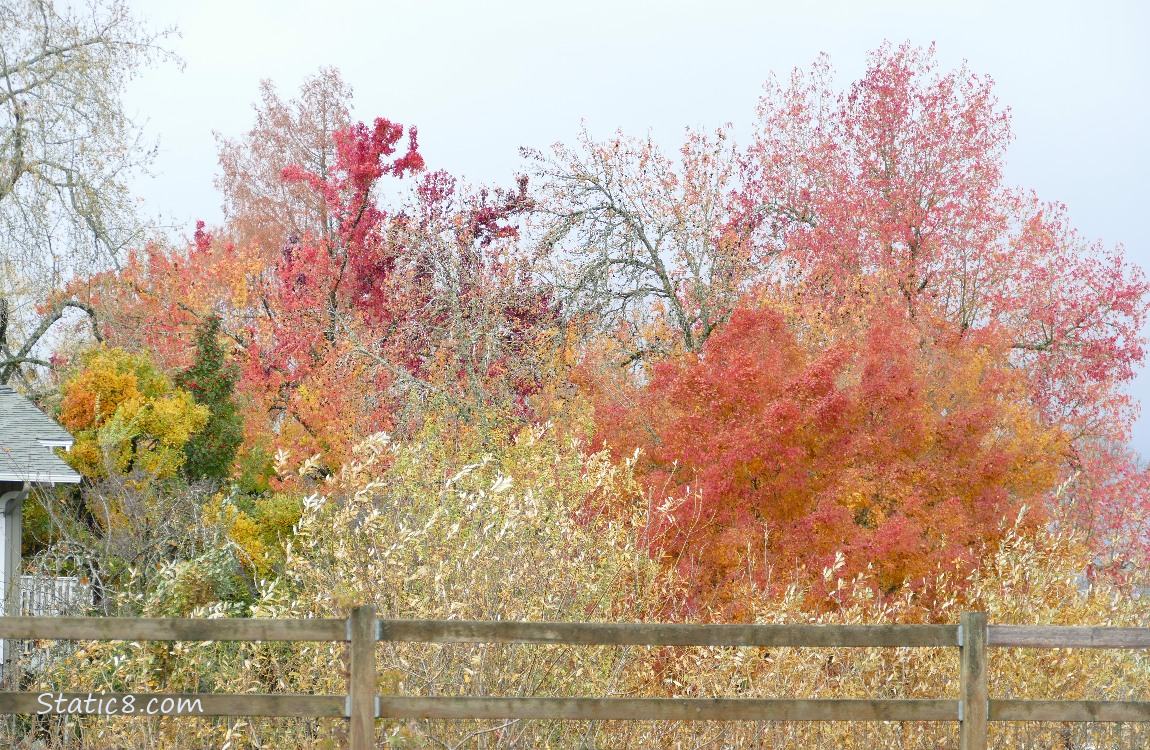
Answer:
(361, 684)
(973, 694)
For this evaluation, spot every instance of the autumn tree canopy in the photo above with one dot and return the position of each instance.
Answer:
(770, 451)
(645, 243)
(261, 208)
(839, 373)
(897, 183)
(933, 349)
(356, 289)
(844, 203)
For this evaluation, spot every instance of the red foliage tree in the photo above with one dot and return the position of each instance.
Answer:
(364, 311)
(768, 453)
(896, 185)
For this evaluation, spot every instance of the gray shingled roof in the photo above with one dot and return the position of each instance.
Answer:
(27, 437)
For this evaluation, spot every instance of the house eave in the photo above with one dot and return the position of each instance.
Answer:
(56, 443)
(42, 477)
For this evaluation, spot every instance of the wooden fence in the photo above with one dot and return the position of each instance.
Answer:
(972, 637)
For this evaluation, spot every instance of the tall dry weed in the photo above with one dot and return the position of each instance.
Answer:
(511, 534)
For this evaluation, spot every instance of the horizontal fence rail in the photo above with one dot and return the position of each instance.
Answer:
(1066, 636)
(1032, 710)
(671, 709)
(637, 634)
(175, 629)
(362, 631)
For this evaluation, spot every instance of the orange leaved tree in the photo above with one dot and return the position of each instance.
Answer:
(348, 310)
(773, 450)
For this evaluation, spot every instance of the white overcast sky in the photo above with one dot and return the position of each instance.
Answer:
(482, 78)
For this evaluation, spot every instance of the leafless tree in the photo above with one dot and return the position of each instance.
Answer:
(646, 245)
(68, 151)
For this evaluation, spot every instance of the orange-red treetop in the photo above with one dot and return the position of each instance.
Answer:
(347, 308)
(897, 184)
(770, 451)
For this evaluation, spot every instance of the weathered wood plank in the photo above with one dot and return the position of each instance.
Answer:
(1066, 636)
(665, 634)
(361, 685)
(669, 709)
(1035, 710)
(973, 679)
(172, 704)
(144, 629)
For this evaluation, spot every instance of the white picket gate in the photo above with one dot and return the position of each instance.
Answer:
(44, 596)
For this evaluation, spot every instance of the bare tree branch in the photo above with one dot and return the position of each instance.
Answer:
(67, 152)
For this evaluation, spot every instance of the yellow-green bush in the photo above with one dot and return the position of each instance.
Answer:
(260, 527)
(126, 415)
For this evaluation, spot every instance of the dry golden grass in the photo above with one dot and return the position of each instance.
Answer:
(512, 535)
